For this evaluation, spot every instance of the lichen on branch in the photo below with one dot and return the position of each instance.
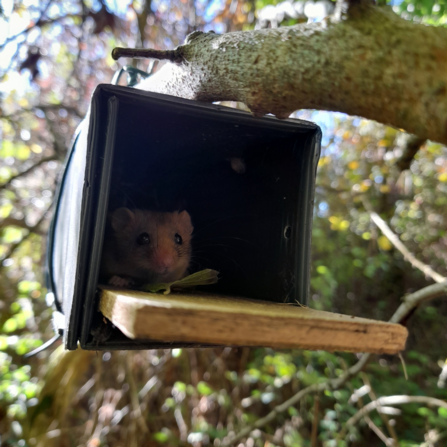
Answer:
(369, 63)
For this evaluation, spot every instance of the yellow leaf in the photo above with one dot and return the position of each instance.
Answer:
(364, 187)
(383, 143)
(36, 148)
(344, 225)
(323, 161)
(12, 234)
(23, 102)
(384, 243)
(5, 173)
(334, 220)
(5, 210)
(23, 152)
(384, 189)
(442, 177)
(366, 235)
(353, 165)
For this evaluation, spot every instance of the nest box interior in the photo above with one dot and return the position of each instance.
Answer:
(248, 184)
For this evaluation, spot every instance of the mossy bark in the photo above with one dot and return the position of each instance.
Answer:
(368, 62)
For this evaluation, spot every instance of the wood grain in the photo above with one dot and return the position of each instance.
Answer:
(234, 321)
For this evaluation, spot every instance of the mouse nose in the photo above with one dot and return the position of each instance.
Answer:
(163, 261)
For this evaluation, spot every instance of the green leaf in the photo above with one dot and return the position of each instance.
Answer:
(202, 278)
(423, 411)
(161, 437)
(7, 149)
(10, 325)
(23, 152)
(12, 234)
(3, 342)
(26, 287)
(204, 389)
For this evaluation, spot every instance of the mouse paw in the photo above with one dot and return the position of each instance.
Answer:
(117, 281)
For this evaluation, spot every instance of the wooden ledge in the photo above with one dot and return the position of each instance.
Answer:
(233, 321)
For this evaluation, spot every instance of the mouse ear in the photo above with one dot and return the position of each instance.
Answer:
(185, 221)
(121, 218)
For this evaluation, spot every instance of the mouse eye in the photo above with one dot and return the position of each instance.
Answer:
(178, 239)
(143, 239)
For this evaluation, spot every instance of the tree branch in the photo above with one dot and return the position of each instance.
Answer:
(386, 230)
(10, 221)
(315, 421)
(357, 64)
(383, 416)
(392, 400)
(39, 23)
(357, 397)
(13, 247)
(28, 170)
(410, 302)
(387, 441)
(412, 146)
(27, 30)
(415, 299)
(43, 107)
(149, 53)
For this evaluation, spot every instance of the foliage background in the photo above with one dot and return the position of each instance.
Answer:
(52, 55)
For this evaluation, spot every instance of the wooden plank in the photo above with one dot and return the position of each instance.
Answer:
(234, 321)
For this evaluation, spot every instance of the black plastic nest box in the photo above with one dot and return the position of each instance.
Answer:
(248, 184)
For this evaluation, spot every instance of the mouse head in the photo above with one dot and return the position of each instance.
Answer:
(156, 246)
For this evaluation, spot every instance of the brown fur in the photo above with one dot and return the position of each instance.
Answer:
(124, 261)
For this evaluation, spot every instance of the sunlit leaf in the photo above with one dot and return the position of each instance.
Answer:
(161, 437)
(202, 278)
(10, 325)
(204, 389)
(384, 243)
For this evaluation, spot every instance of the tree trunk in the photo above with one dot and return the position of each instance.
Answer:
(367, 62)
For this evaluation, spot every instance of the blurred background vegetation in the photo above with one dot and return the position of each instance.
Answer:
(52, 55)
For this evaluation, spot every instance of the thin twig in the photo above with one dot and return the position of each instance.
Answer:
(387, 441)
(316, 388)
(392, 400)
(404, 367)
(357, 397)
(415, 299)
(183, 429)
(315, 419)
(410, 301)
(383, 416)
(40, 23)
(34, 229)
(27, 30)
(134, 400)
(28, 170)
(386, 230)
(148, 53)
(13, 116)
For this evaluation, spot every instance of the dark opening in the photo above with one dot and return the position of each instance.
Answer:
(247, 184)
(239, 186)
